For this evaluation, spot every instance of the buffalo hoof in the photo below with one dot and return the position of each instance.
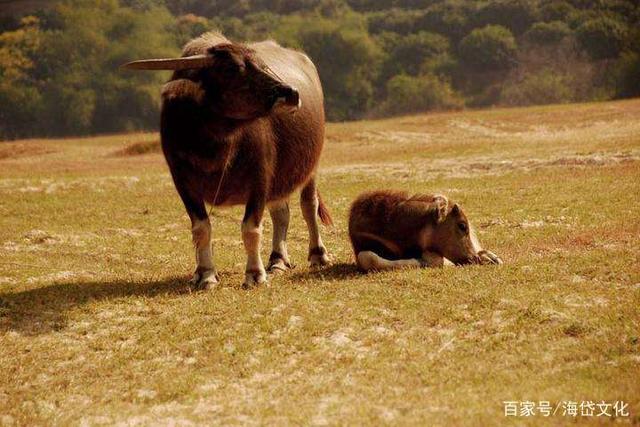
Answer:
(204, 280)
(278, 264)
(254, 278)
(318, 257)
(488, 257)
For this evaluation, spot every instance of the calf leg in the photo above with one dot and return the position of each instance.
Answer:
(483, 256)
(432, 259)
(309, 203)
(279, 259)
(255, 273)
(368, 261)
(488, 257)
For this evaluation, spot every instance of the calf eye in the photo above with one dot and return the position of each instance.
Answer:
(463, 227)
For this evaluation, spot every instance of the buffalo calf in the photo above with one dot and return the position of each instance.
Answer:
(392, 229)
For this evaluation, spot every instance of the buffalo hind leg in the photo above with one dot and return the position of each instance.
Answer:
(370, 261)
(279, 258)
(309, 203)
(255, 274)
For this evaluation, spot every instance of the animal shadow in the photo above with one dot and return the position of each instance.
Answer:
(41, 310)
(339, 271)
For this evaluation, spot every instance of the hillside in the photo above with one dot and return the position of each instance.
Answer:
(99, 326)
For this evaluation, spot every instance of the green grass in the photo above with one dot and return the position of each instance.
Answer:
(98, 325)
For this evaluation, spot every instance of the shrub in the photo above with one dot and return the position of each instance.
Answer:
(564, 71)
(624, 9)
(492, 48)
(627, 75)
(346, 58)
(545, 87)
(396, 20)
(516, 15)
(602, 37)
(411, 52)
(546, 33)
(408, 94)
(189, 26)
(556, 11)
(451, 19)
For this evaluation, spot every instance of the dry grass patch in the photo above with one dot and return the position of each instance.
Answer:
(13, 151)
(139, 148)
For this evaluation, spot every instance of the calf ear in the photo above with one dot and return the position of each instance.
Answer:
(440, 207)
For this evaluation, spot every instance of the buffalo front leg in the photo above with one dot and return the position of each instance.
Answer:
(255, 274)
(309, 203)
(279, 258)
(205, 276)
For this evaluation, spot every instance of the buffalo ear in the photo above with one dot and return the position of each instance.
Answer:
(455, 210)
(440, 207)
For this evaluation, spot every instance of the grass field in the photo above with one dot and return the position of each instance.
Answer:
(98, 325)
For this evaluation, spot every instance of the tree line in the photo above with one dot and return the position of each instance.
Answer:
(59, 63)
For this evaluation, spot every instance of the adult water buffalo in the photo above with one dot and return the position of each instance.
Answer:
(243, 124)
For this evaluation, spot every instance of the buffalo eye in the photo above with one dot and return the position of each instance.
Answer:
(463, 227)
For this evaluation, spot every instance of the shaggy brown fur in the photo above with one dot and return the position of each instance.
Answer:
(235, 133)
(397, 226)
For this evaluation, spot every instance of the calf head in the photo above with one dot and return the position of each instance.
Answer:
(238, 84)
(452, 235)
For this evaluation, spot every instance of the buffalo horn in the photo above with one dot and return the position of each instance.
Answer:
(194, 61)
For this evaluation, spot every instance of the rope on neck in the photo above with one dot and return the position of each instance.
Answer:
(224, 170)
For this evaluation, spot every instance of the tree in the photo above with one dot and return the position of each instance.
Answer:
(19, 93)
(65, 78)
